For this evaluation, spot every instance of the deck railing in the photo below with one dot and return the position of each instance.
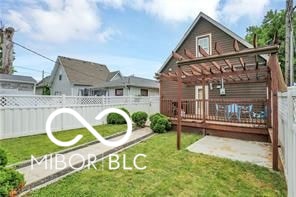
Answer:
(247, 111)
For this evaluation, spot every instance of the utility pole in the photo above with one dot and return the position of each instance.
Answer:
(7, 49)
(289, 52)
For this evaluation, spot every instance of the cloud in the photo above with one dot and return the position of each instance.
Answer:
(174, 11)
(60, 20)
(178, 11)
(233, 10)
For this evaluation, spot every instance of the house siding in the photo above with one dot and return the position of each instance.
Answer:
(133, 91)
(61, 86)
(169, 88)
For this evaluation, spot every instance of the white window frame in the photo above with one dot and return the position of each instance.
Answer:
(196, 43)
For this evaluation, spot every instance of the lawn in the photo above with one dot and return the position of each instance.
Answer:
(20, 149)
(170, 173)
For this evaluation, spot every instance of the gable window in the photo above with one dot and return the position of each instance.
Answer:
(119, 92)
(204, 41)
(144, 92)
(60, 75)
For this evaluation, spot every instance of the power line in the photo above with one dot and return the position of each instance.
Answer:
(31, 69)
(43, 56)
(32, 51)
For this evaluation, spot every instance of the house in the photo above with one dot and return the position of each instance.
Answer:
(130, 86)
(216, 83)
(74, 77)
(17, 84)
(83, 78)
(42, 87)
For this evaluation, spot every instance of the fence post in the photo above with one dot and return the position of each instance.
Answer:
(63, 106)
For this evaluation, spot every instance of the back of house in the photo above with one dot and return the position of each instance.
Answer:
(206, 32)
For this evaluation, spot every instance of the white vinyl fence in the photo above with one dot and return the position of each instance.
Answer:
(27, 115)
(287, 136)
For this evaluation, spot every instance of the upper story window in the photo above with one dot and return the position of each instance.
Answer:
(60, 75)
(204, 41)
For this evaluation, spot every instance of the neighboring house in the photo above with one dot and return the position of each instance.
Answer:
(205, 32)
(83, 78)
(42, 87)
(130, 86)
(17, 84)
(74, 77)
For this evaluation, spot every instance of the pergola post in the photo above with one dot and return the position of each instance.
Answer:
(268, 83)
(179, 126)
(204, 100)
(273, 64)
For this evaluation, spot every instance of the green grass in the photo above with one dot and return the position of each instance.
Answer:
(20, 149)
(170, 173)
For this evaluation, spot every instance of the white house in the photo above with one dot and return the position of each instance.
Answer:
(17, 84)
(130, 86)
(75, 77)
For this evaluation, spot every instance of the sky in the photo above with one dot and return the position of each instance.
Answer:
(133, 36)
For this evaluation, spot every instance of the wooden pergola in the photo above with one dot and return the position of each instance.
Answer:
(192, 70)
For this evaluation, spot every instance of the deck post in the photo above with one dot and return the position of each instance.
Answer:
(179, 126)
(273, 64)
(268, 100)
(203, 100)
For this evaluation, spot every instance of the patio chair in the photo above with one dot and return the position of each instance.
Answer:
(247, 110)
(233, 110)
(220, 108)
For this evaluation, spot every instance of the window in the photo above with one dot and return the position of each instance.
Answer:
(119, 92)
(60, 75)
(204, 42)
(144, 92)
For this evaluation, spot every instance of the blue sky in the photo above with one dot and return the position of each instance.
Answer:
(133, 36)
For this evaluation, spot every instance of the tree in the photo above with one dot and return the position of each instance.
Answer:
(273, 22)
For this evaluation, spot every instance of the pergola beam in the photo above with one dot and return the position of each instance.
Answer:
(205, 54)
(241, 61)
(177, 56)
(229, 55)
(189, 54)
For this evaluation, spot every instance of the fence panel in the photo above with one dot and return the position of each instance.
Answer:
(27, 115)
(287, 136)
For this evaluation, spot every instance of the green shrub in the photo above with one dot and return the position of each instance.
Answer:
(159, 123)
(140, 118)
(114, 118)
(3, 158)
(10, 180)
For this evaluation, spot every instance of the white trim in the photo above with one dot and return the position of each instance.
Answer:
(215, 23)
(197, 54)
(116, 75)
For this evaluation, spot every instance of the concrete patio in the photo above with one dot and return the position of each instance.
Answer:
(259, 153)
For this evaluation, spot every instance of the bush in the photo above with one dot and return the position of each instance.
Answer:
(159, 123)
(140, 118)
(3, 158)
(10, 180)
(114, 118)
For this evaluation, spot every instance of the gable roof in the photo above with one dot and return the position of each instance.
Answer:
(81, 72)
(112, 75)
(17, 78)
(215, 23)
(131, 81)
(43, 82)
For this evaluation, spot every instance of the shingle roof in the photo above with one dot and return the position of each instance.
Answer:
(131, 81)
(112, 74)
(82, 72)
(43, 82)
(17, 78)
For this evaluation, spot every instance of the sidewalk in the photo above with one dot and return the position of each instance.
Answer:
(37, 174)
